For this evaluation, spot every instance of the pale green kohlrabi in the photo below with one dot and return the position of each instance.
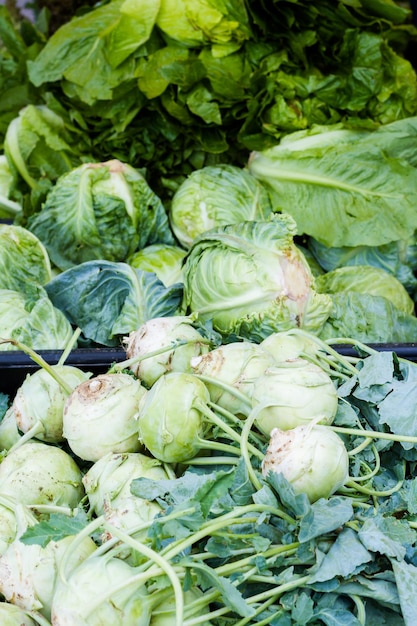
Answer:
(31, 318)
(38, 405)
(163, 344)
(237, 364)
(171, 422)
(163, 613)
(41, 473)
(102, 591)
(101, 416)
(293, 393)
(216, 195)
(101, 211)
(163, 259)
(28, 572)
(250, 280)
(107, 485)
(197, 22)
(312, 458)
(12, 615)
(23, 258)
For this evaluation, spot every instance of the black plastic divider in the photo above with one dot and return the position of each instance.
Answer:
(15, 365)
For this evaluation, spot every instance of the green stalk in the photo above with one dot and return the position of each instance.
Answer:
(210, 380)
(213, 418)
(211, 526)
(154, 557)
(375, 434)
(121, 365)
(39, 361)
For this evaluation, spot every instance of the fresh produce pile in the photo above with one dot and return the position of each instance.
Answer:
(206, 483)
(226, 191)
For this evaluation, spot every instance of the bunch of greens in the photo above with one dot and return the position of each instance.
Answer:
(174, 85)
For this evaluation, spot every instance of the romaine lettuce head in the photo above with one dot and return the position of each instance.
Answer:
(213, 196)
(23, 258)
(251, 280)
(32, 319)
(100, 211)
(367, 280)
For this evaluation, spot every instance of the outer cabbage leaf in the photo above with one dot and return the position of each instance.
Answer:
(250, 280)
(108, 300)
(367, 280)
(213, 196)
(399, 258)
(23, 258)
(100, 211)
(163, 259)
(32, 319)
(369, 319)
(343, 189)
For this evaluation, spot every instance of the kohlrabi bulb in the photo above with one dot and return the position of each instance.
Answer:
(170, 422)
(12, 615)
(164, 613)
(292, 393)
(176, 340)
(109, 478)
(40, 400)
(101, 414)
(28, 572)
(102, 591)
(285, 346)
(238, 365)
(41, 473)
(312, 458)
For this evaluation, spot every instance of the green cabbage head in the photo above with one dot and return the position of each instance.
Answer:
(250, 280)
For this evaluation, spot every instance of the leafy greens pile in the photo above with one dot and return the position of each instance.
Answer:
(171, 86)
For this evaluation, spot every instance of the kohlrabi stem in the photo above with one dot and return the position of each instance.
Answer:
(39, 361)
(244, 449)
(232, 517)
(375, 434)
(37, 428)
(211, 380)
(121, 365)
(339, 359)
(237, 421)
(154, 557)
(88, 530)
(374, 492)
(70, 346)
(360, 608)
(371, 473)
(38, 618)
(215, 419)
(213, 460)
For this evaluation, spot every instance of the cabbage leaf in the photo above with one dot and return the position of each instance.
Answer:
(107, 300)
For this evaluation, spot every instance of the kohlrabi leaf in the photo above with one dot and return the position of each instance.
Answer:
(56, 527)
(108, 300)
